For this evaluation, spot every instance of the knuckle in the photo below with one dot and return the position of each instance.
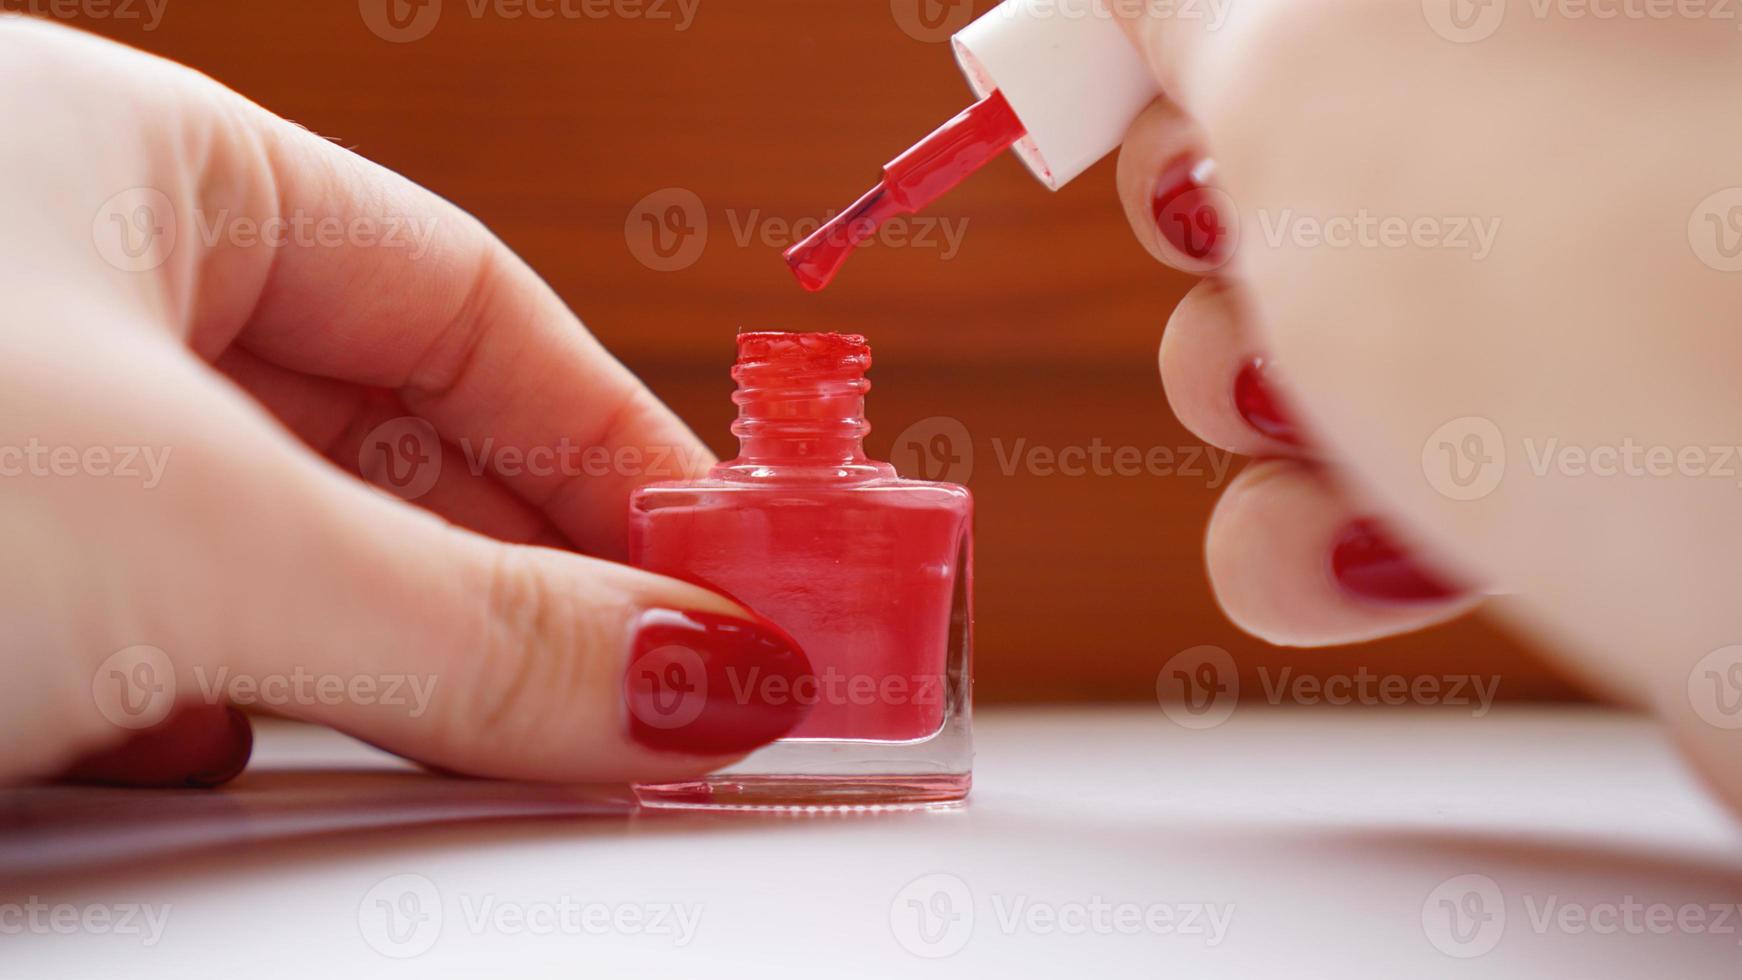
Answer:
(538, 660)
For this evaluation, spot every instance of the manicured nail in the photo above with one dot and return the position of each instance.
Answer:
(1186, 213)
(1257, 403)
(1368, 566)
(705, 684)
(197, 747)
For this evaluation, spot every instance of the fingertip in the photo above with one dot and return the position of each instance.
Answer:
(197, 747)
(1286, 566)
(1166, 187)
(705, 684)
(1219, 383)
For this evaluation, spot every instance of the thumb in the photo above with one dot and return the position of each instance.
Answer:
(344, 606)
(1180, 45)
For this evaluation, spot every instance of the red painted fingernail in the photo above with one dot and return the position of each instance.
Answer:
(197, 747)
(705, 684)
(1368, 566)
(1257, 403)
(1187, 214)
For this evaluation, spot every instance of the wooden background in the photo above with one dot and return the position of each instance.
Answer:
(1043, 326)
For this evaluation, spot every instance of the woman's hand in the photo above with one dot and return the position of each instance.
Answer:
(201, 301)
(1491, 257)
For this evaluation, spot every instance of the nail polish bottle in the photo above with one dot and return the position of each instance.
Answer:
(870, 573)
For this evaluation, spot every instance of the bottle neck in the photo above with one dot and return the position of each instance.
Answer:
(801, 408)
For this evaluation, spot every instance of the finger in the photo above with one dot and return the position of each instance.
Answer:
(474, 341)
(263, 234)
(1293, 563)
(348, 271)
(196, 748)
(1219, 382)
(1176, 42)
(1166, 186)
(428, 640)
(359, 430)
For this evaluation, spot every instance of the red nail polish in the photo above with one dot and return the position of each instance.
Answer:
(1368, 566)
(196, 747)
(870, 574)
(1186, 211)
(685, 683)
(1258, 405)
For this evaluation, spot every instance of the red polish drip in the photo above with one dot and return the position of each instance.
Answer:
(912, 181)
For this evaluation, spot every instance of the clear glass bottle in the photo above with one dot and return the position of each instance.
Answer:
(871, 574)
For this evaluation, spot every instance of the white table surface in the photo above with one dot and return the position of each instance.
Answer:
(1327, 843)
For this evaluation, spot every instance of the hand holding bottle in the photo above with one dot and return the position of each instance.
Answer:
(173, 379)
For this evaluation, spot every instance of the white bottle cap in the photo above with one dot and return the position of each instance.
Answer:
(1068, 71)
